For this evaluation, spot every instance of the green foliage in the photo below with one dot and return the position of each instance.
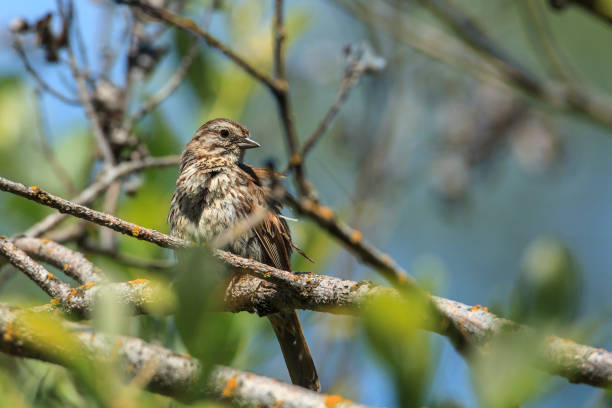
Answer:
(503, 372)
(208, 335)
(550, 284)
(392, 329)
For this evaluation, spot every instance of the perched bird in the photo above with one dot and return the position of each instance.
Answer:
(215, 194)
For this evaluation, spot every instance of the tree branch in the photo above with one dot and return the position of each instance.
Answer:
(43, 278)
(191, 26)
(361, 63)
(95, 189)
(41, 82)
(73, 263)
(442, 47)
(351, 238)
(64, 206)
(597, 8)
(173, 374)
(561, 357)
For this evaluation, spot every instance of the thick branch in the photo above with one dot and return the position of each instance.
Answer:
(43, 278)
(173, 374)
(576, 362)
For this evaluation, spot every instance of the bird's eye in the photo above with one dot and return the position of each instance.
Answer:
(224, 133)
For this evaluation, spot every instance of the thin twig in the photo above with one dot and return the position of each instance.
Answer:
(191, 26)
(351, 238)
(41, 82)
(542, 40)
(96, 188)
(514, 73)
(351, 78)
(111, 201)
(599, 9)
(43, 278)
(47, 151)
(167, 90)
(440, 46)
(284, 104)
(279, 40)
(86, 99)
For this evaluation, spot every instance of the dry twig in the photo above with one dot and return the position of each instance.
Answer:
(99, 186)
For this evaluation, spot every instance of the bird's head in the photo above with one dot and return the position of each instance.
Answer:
(218, 141)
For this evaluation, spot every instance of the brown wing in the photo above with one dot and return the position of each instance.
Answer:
(273, 233)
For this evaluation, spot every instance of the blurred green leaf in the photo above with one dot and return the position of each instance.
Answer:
(503, 372)
(203, 75)
(550, 284)
(391, 326)
(210, 335)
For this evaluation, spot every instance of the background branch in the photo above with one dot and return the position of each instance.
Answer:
(173, 374)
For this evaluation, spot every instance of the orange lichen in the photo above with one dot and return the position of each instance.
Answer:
(309, 205)
(72, 293)
(135, 230)
(229, 387)
(326, 213)
(8, 334)
(267, 274)
(332, 400)
(404, 279)
(45, 240)
(296, 160)
(186, 355)
(35, 189)
(89, 285)
(296, 277)
(356, 237)
(50, 275)
(66, 266)
(118, 342)
(137, 281)
(54, 302)
(475, 308)
(485, 309)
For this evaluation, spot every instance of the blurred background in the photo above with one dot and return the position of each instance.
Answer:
(487, 193)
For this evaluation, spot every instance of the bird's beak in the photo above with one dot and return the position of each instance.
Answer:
(247, 143)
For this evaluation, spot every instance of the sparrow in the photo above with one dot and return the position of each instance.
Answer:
(216, 193)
